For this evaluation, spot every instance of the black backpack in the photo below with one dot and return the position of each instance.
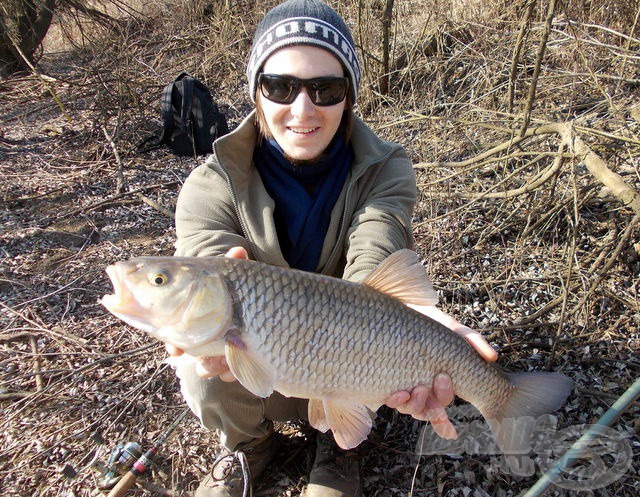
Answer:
(191, 120)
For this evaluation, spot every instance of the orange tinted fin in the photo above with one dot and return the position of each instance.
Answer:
(254, 373)
(317, 418)
(350, 423)
(402, 276)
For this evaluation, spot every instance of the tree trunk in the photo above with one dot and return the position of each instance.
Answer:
(386, 42)
(23, 25)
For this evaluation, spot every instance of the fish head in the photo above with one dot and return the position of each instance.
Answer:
(174, 301)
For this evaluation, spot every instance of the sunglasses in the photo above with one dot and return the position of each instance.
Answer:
(323, 92)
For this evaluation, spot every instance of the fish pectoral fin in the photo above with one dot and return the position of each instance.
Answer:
(252, 371)
(350, 423)
(317, 418)
(402, 276)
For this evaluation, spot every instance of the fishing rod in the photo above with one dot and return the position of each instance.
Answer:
(144, 461)
(581, 447)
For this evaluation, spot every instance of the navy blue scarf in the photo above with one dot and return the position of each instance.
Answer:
(304, 196)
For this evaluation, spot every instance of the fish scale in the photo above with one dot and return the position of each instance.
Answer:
(344, 346)
(374, 335)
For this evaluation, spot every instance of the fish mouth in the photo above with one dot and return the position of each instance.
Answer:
(115, 300)
(121, 302)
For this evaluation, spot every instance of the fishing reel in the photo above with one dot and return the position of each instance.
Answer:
(120, 461)
(126, 458)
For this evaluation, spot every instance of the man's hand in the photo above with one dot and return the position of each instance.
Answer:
(428, 404)
(209, 367)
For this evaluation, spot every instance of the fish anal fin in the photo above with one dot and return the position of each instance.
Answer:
(317, 418)
(252, 371)
(350, 423)
(402, 276)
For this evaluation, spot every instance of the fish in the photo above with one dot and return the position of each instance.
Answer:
(343, 345)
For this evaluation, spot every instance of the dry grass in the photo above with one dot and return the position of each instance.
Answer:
(547, 269)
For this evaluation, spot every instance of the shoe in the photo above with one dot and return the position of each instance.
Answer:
(335, 472)
(233, 473)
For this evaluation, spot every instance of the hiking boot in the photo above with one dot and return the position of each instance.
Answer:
(233, 473)
(335, 472)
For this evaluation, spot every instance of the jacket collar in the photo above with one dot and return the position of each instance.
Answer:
(236, 148)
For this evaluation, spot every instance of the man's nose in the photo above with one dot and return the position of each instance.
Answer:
(302, 105)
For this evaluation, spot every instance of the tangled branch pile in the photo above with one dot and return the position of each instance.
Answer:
(523, 123)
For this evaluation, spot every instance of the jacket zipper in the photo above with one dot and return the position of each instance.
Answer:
(347, 199)
(236, 207)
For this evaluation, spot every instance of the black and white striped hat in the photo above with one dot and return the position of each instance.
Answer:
(303, 22)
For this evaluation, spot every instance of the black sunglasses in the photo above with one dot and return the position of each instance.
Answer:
(323, 92)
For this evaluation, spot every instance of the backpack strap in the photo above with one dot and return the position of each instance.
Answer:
(185, 112)
(167, 120)
(166, 112)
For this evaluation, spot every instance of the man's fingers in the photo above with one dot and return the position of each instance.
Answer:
(208, 367)
(443, 389)
(415, 405)
(237, 253)
(398, 399)
(481, 345)
(441, 424)
(172, 350)
(227, 376)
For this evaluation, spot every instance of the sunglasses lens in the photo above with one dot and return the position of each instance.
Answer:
(285, 89)
(278, 89)
(328, 91)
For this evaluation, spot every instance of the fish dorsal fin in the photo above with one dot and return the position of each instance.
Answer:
(402, 276)
(252, 371)
(349, 422)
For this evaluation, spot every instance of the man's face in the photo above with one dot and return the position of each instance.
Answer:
(302, 129)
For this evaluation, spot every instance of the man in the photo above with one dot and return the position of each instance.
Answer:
(302, 182)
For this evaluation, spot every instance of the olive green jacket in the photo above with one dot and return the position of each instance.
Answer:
(223, 204)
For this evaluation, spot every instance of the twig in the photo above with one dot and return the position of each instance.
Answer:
(625, 57)
(629, 37)
(596, 166)
(152, 203)
(36, 363)
(536, 71)
(565, 293)
(625, 193)
(74, 339)
(109, 200)
(516, 51)
(14, 337)
(535, 183)
(119, 174)
(17, 395)
(44, 79)
(605, 395)
(624, 239)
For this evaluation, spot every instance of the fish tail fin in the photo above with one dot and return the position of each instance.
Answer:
(533, 395)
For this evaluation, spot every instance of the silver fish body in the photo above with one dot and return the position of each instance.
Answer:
(345, 346)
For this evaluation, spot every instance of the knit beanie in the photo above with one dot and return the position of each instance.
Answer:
(303, 22)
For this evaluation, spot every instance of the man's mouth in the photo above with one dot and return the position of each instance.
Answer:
(303, 131)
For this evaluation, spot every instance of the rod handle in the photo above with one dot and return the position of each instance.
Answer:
(124, 484)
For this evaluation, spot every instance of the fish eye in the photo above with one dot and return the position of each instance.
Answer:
(158, 279)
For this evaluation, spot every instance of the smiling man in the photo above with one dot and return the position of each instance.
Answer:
(302, 182)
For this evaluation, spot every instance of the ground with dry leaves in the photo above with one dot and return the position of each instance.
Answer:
(520, 237)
